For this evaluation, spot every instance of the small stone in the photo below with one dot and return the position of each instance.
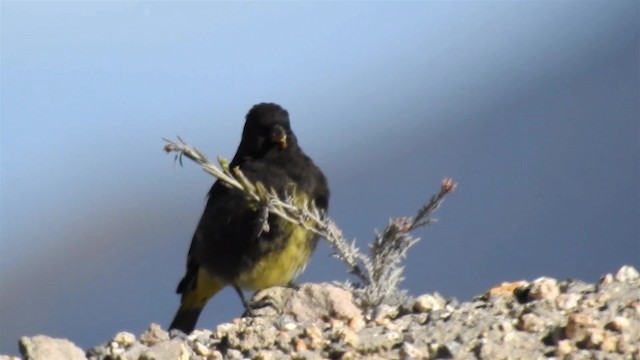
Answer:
(393, 326)
(312, 331)
(313, 301)
(336, 324)
(505, 288)
(428, 303)
(154, 335)
(215, 355)
(116, 349)
(530, 323)
(596, 301)
(578, 326)
(609, 342)
(264, 355)
(393, 336)
(173, 349)
(595, 338)
(201, 350)
(315, 337)
(43, 347)
(580, 354)
(627, 273)
(564, 348)
(544, 288)
(606, 279)
(132, 352)
(234, 354)
(411, 352)
(283, 341)
(624, 346)
(357, 323)
(223, 330)
(453, 347)
(350, 337)
(510, 336)
(441, 351)
(335, 330)
(199, 334)
(505, 326)
(619, 323)
(385, 313)
(349, 355)
(567, 301)
(634, 305)
(124, 338)
(290, 326)
(300, 345)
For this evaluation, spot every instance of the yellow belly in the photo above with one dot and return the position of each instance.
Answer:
(279, 267)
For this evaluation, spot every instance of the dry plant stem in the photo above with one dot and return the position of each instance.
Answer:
(308, 217)
(390, 247)
(378, 271)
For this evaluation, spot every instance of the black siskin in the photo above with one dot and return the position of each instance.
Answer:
(232, 244)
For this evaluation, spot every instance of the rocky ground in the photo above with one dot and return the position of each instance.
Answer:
(542, 319)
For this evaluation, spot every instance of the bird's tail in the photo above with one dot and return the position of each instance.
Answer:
(196, 291)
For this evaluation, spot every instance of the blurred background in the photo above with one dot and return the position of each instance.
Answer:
(532, 107)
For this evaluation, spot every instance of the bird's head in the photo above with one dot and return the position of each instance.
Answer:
(267, 128)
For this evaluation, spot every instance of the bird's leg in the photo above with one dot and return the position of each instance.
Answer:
(250, 307)
(245, 303)
(292, 285)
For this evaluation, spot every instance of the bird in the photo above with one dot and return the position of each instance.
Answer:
(239, 244)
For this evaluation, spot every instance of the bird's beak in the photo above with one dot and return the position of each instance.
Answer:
(279, 136)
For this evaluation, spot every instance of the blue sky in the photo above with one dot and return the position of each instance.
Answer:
(531, 106)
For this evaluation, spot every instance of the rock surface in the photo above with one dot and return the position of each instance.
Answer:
(542, 319)
(44, 347)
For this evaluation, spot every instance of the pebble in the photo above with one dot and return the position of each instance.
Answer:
(201, 350)
(544, 288)
(530, 323)
(124, 338)
(627, 274)
(568, 301)
(564, 347)
(427, 303)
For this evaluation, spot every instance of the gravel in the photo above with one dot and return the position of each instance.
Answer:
(541, 319)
